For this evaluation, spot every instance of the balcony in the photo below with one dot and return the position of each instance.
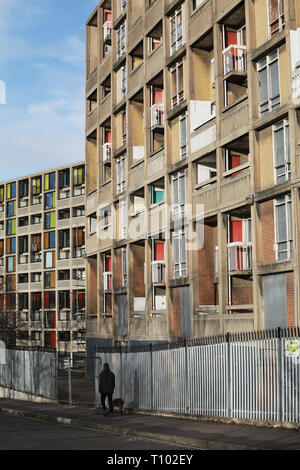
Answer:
(158, 272)
(106, 152)
(239, 256)
(107, 281)
(235, 60)
(157, 115)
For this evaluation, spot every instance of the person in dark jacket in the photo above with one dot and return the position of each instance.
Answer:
(106, 387)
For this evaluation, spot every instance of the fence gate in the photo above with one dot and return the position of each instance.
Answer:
(74, 386)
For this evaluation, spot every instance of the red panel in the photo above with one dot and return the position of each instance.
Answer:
(231, 38)
(108, 264)
(235, 160)
(236, 231)
(159, 251)
(157, 97)
(108, 16)
(52, 339)
(107, 137)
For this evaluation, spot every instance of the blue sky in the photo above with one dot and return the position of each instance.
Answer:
(42, 62)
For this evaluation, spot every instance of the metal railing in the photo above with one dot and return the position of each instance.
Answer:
(239, 256)
(158, 271)
(253, 376)
(235, 59)
(107, 28)
(157, 115)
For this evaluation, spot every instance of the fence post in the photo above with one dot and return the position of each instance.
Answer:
(228, 376)
(151, 378)
(280, 374)
(70, 382)
(187, 387)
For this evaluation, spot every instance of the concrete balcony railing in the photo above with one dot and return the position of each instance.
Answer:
(235, 59)
(239, 255)
(157, 115)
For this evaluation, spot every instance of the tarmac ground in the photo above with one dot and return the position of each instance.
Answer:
(196, 433)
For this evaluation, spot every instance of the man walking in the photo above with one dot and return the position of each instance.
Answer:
(106, 387)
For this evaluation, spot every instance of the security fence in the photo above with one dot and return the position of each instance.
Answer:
(252, 376)
(32, 371)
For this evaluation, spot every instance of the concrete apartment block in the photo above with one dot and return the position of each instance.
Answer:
(42, 258)
(192, 104)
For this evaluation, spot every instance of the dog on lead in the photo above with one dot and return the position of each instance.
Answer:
(116, 403)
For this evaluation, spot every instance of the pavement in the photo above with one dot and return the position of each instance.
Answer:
(192, 433)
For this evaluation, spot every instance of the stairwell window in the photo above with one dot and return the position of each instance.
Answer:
(268, 82)
(183, 136)
(281, 150)
(283, 228)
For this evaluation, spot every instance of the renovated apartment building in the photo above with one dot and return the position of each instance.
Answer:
(192, 168)
(42, 258)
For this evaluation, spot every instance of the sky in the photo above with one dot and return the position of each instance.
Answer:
(42, 64)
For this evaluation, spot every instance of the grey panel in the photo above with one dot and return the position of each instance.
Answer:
(122, 317)
(185, 311)
(274, 290)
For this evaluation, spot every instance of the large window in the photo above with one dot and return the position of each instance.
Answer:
(283, 228)
(177, 88)
(176, 36)
(281, 146)
(179, 254)
(276, 16)
(121, 40)
(178, 193)
(120, 168)
(268, 82)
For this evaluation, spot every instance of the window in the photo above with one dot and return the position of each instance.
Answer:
(123, 81)
(124, 127)
(178, 192)
(179, 254)
(183, 136)
(157, 192)
(50, 259)
(124, 266)
(11, 190)
(283, 228)
(176, 38)
(10, 264)
(36, 185)
(276, 16)
(197, 3)
(78, 211)
(49, 281)
(50, 219)
(23, 189)
(23, 244)
(78, 176)
(281, 148)
(50, 200)
(120, 168)
(64, 179)
(121, 44)
(64, 238)
(11, 245)
(11, 208)
(177, 89)
(11, 227)
(49, 181)
(268, 82)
